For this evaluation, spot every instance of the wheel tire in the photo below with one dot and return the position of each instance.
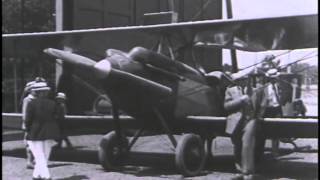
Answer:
(109, 153)
(190, 155)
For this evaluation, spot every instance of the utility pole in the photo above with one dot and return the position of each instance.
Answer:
(232, 51)
(171, 5)
(59, 27)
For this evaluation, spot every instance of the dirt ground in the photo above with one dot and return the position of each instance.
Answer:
(82, 163)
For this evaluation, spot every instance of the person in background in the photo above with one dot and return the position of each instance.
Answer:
(269, 62)
(42, 128)
(29, 96)
(299, 109)
(61, 112)
(273, 108)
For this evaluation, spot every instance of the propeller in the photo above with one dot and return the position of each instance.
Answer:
(101, 69)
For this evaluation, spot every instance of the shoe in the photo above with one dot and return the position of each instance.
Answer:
(30, 166)
(41, 178)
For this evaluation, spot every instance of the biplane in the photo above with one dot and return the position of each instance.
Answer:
(160, 93)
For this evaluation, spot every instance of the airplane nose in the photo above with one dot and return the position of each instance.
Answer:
(102, 68)
(70, 57)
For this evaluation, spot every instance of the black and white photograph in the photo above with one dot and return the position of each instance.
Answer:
(159, 89)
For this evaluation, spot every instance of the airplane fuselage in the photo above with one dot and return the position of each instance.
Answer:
(174, 88)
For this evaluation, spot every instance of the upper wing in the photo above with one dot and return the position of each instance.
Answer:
(275, 33)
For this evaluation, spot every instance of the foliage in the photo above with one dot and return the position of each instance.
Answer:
(21, 16)
(307, 71)
(27, 16)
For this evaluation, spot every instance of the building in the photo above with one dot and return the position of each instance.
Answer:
(83, 14)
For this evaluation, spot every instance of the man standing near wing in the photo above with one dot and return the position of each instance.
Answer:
(245, 109)
(42, 128)
(273, 108)
(27, 96)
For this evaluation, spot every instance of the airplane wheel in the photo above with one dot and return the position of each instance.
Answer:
(190, 155)
(208, 149)
(109, 152)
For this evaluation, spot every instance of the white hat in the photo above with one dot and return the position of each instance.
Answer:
(40, 86)
(29, 86)
(61, 95)
(272, 73)
(39, 79)
(30, 83)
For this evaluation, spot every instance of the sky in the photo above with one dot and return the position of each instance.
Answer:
(269, 8)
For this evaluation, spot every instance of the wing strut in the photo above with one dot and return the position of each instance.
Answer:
(165, 127)
(115, 114)
(164, 41)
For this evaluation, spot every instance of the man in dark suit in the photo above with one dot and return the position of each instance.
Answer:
(61, 112)
(27, 96)
(244, 109)
(273, 107)
(42, 129)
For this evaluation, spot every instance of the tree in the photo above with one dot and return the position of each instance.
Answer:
(306, 70)
(20, 16)
(27, 16)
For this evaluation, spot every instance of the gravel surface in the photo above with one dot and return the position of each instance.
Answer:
(81, 162)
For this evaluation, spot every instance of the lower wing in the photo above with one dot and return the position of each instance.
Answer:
(205, 125)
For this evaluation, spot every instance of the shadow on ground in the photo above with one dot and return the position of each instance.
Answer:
(76, 177)
(163, 164)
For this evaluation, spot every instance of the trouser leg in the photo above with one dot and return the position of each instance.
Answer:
(30, 158)
(275, 146)
(260, 143)
(237, 146)
(41, 169)
(47, 148)
(248, 148)
(274, 112)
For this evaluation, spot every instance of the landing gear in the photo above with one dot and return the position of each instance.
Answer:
(111, 152)
(190, 155)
